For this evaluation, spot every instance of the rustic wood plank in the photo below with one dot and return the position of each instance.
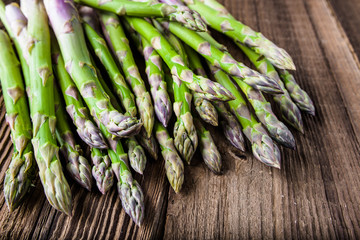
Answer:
(347, 12)
(315, 194)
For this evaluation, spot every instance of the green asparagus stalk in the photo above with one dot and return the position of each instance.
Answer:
(77, 166)
(136, 154)
(206, 35)
(21, 172)
(114, 31)
(223, 60)
(75, 107)
(104, 55)
(185, 137)
(289, 111)
(278, 131)
(131, 195)
(155, 75)
(263, 147)
(20, 25)
(102, 170)
(42, 108)
(208, 148)
(208, 89)
(174, 166)
(222, 21)
(231, 127)
(150, 144)
(204, 108)
(150, 9)
(300, 97)
(130, 192)
(69, 33)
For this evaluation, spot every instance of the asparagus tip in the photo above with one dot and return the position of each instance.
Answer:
(276, 165)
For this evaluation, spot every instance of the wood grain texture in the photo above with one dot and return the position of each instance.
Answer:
(347, 11)
(314, 195)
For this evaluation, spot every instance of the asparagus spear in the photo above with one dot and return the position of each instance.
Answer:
(103, 53)
(208, 89)
(207, 36)
(223, 60)
(42, 108)
(136, 154)
(102, 171)
(77, 166)
(79, 114)
(208, 148)
(289, 111)
(230, 126)
(119, 42)
(130, 192)
(131, 195)
(174, 166)
(150, 144)
(263, 147)
(278, 131)
(145, 9)
(21, 31)
(205, 109)
(185, 138)
(135, 151)
(155, 75)
(222, 21)
(300, 97)
(21, 171)
(69, 32)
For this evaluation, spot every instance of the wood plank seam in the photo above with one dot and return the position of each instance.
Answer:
(355, 58)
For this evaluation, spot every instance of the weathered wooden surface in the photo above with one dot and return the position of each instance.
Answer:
(314, 195)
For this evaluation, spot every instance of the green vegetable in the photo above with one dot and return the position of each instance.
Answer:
(120, 44)
(102, 171)
(221, 20)
(146, 9)
(223, 60)
(75, 107)
(262, 146)
(42, 108)
(204, 108)
(21, 172)
(300, 97)
(117, 80)
(208, 149)
(174, 166)
(77, 166)
(289, 111)
(69, 33)
(230, 126)
(208, 89)
(278, 131)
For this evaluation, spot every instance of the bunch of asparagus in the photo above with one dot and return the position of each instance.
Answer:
(74, 71)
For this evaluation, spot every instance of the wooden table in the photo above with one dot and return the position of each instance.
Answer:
(316, 194)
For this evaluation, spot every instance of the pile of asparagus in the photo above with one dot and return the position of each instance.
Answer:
(73, 69)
